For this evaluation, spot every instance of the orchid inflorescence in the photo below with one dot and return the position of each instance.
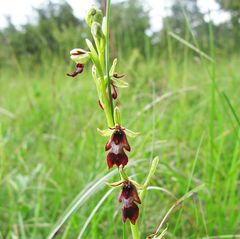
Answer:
(108, 81)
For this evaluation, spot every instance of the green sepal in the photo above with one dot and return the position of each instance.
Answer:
(117, 116)
(97, 82)
(93, 54)
(105, 132)
(131, 134)
(81, 59)
(112, 70)
(79, 55)
(94, 73)
(138, 186)
(119, 83)
(104, 26)
(161, 236)
(91, 47)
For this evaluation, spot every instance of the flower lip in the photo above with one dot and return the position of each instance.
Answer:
(129, 197)
(117, 144)
(78, 70)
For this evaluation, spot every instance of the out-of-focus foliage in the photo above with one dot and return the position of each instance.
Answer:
(185, 17)
(233, 6)
(57, 30)
(130, 21)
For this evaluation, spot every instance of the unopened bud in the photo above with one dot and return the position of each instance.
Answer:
(98, 17)
(90, 15)
(117, 116)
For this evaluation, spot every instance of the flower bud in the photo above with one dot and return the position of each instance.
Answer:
(79, 55)
(89, 18)
(96, 30)
(98, 17)
(117, 116)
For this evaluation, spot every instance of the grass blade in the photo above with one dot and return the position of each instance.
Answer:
(176, 204)
(83, 196)
(189, 45)
(94, 212)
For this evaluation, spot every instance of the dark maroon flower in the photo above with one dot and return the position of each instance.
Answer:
(129, 197)
(78, 70)
(116, 144)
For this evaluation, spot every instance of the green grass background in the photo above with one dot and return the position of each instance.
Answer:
(186, 109)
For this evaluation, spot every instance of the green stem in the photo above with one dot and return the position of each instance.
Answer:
(135, 231)
(103, 96)
(134, 228)
(108, 8)
(107, 108)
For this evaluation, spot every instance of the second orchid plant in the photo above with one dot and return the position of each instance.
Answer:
(108, 82)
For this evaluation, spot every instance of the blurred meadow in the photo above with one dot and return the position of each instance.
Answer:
(183, 97)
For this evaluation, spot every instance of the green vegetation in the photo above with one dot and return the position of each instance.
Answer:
(187, 113)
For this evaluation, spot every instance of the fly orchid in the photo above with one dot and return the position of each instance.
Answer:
(80, 57)
(107, 83)
(129, 197)
(117, 143)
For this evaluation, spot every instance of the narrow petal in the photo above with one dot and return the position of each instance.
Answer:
(100, 104)
(118, 76)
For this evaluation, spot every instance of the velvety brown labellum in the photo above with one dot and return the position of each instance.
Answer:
(78, 70)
